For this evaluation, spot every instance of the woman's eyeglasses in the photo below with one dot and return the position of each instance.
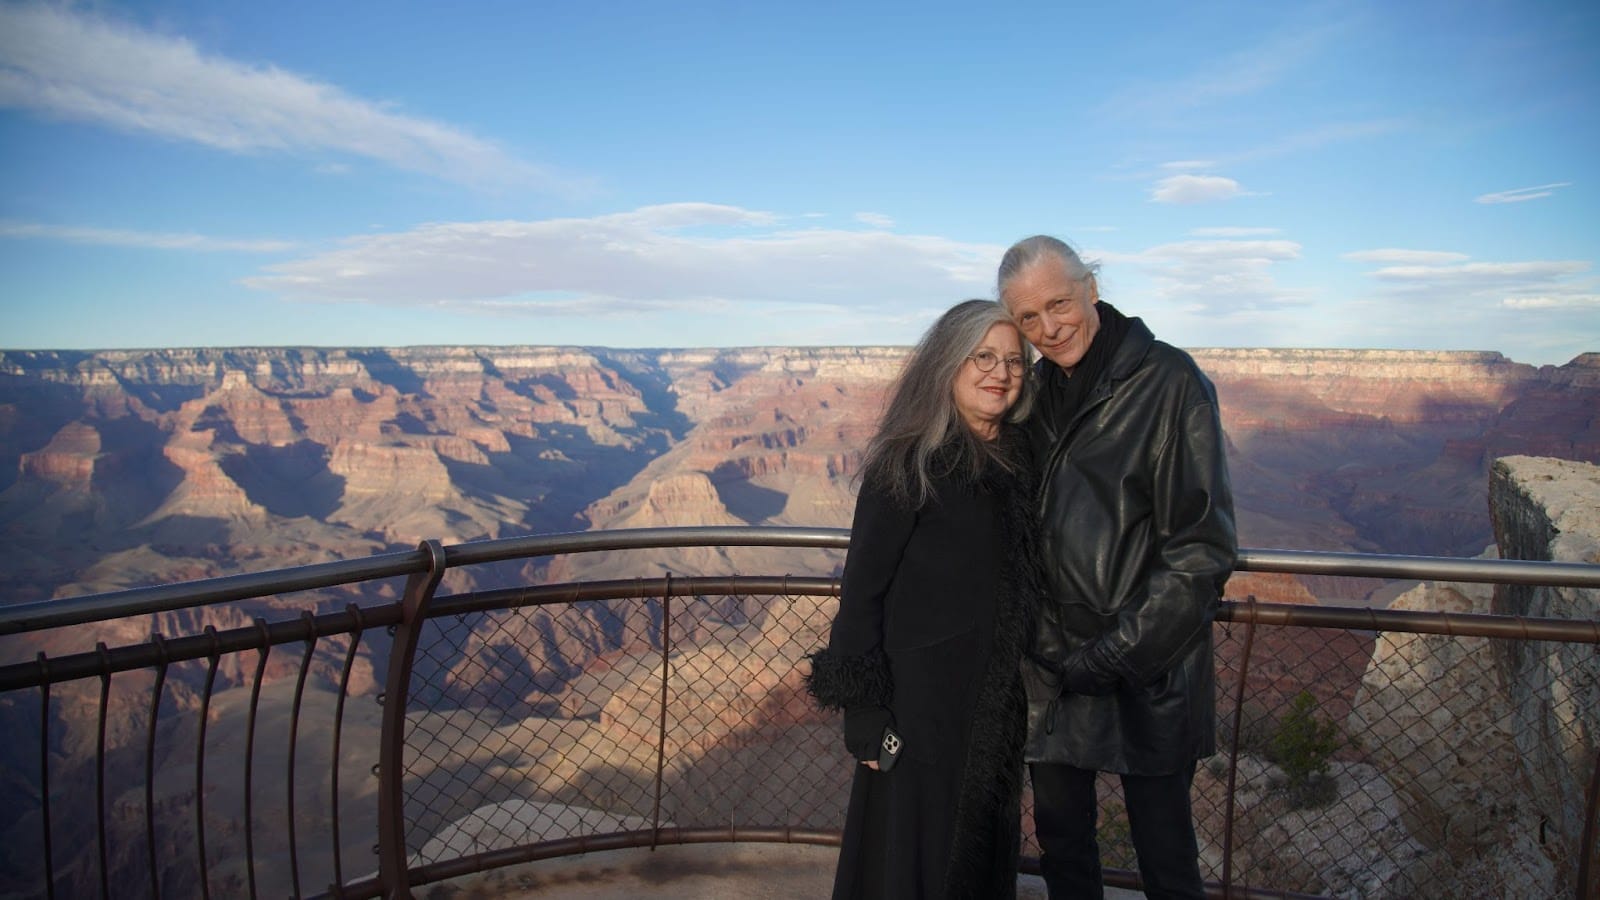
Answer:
(986, 361)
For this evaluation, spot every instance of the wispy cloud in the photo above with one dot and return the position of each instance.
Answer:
(1228, 231)
(1480, 276)
(876, 220)
(1191, 189)
(61, 62)
(1539, 308)
(1522, 194)
(655, 257)
(1396, 256)
(1217, 79)
(1218, 277)
(1315, 139)
(1570, 301)
(146, 239)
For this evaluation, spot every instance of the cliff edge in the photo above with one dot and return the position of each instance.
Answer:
(1495, 740)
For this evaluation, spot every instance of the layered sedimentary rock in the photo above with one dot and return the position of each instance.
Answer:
(135, 467)
(1490, 743)
(1549, 509)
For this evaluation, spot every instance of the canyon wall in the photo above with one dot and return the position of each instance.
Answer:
(125, 468)
(1495, 739)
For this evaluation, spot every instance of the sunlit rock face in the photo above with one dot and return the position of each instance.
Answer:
(1438, 719)
(1490, 743)
(1549, 509)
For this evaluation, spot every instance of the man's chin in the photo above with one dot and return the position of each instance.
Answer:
(1065, 360)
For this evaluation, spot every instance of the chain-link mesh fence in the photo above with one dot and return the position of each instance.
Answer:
(546, 723)
(1351, 763)
(1359, 764)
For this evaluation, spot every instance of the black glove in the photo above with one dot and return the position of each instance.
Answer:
(863, 730)
(1079, 677)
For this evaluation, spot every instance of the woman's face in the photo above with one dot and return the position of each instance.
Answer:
(983, 398)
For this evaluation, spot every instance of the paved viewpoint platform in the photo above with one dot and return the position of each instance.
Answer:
(697, 871)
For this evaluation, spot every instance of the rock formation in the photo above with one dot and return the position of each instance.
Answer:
(126, 468)
(1549, 509)
(1490, 743)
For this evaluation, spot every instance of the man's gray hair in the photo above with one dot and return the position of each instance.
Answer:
(1030, 250)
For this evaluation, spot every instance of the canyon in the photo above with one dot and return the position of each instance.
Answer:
(126, 468)
(120, 469)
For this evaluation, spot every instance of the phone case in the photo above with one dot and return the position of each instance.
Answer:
(889, 750)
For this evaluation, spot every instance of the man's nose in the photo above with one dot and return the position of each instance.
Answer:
(1049, 324)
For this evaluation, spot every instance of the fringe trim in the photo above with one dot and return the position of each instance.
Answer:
(840, 681)
(988, 815)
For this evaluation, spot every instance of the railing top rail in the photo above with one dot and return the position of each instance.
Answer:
(26, 617)
(1421, 568)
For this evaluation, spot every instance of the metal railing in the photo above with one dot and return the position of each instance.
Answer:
(513, 725)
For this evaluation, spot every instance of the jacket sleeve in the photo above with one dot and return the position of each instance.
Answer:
(1194, 553)
(853, 671)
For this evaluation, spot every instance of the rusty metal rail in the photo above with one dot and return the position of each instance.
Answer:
(419, 636)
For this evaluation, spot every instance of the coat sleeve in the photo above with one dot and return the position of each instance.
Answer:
(1194, 553)
(853, 671)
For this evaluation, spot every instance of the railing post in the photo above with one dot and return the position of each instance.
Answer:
(392, 874)
(661, 732)
(1233, 750)
(44, 774)
(1586, 847)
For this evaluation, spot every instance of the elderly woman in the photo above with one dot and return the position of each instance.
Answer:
(924, 653)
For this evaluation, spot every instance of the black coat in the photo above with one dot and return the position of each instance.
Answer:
(1137, 541)
(929, 636)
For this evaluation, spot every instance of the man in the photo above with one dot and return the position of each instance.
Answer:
(1136, 543)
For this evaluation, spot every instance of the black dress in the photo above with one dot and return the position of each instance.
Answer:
(929, 636)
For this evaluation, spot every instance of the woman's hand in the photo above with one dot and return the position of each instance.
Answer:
(870, 763)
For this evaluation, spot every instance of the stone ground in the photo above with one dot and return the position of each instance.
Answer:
(699, 871)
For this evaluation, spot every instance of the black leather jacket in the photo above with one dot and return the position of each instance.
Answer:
(1137, 542)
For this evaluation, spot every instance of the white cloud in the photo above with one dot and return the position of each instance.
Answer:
(1405, 257)
(1220, 276)
(1532, 310)
(1570, 301)
(146, 239)
(876, 220)
(59, 62)
(1187, 165)
(1521, 194)
(1186, 189)
(657, 257)
(1225, 231)
(1478, 277)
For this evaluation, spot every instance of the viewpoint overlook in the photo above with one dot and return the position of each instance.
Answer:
(130, 468)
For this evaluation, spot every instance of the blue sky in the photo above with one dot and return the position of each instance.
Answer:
(1399, 175)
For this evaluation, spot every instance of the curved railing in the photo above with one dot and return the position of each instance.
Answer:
(522, 723)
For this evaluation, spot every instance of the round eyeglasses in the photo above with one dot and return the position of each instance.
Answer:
(986, 361)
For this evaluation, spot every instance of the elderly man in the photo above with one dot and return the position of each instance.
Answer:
(1137, 541)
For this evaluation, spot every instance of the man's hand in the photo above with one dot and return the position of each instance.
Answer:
(1079, 677)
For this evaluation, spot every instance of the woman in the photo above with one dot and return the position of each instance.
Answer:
(925, 648)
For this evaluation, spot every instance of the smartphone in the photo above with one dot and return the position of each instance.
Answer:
(889, 750)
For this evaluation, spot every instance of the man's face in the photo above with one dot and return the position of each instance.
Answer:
(1055, 312)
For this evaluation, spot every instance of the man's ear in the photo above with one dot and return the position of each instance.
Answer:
(1094, 290)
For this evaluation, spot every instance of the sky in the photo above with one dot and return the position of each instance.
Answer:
(1417, 175)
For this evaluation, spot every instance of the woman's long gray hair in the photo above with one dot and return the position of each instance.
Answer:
(921, 418)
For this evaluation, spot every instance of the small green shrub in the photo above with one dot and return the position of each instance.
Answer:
(1302, 746)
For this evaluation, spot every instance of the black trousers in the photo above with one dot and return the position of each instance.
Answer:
(1064, 815)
